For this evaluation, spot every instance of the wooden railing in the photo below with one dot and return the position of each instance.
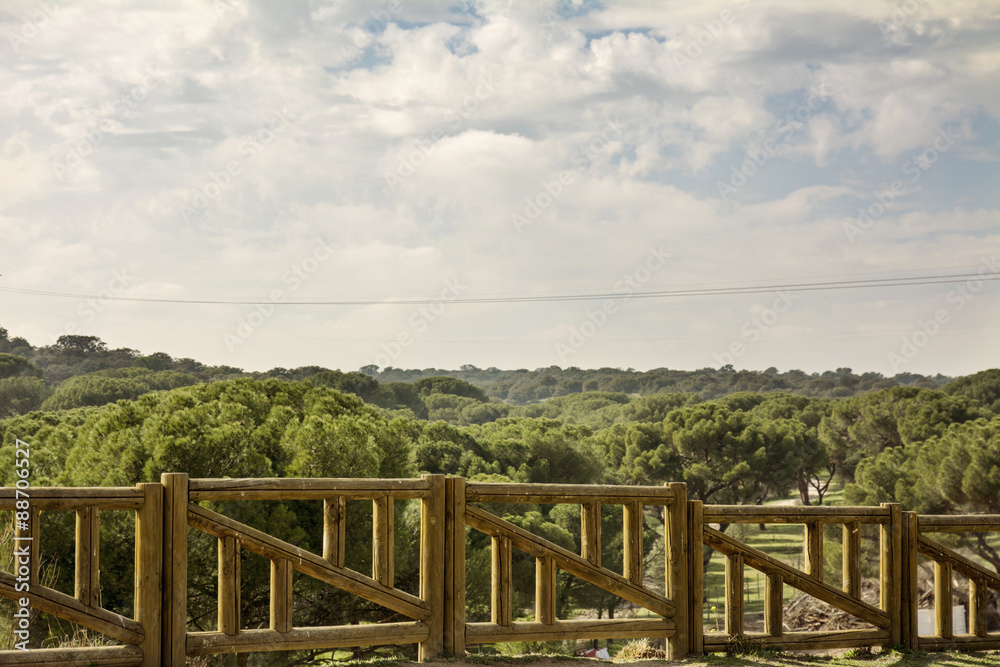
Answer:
(140, 635)
(947, 562)
(886, 618)
(158, 634)
(628, 585)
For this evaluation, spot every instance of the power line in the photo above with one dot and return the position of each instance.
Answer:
(543, 298)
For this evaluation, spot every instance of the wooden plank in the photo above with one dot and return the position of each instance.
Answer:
(308, 563)
(911, 577)
(813, 545)
(300, 639)
(229, 585)
(281, 595)
(82, 656)
(978, 599)
(577, 494)
(67, 607)
(73, 504)
(591, 628)
(305, 488)
(956, 523)
(891, 569)
(797, 579)
(383, 549)
(696, 573)
(802, 641)
(545, 590)
(88, 549)
(960, 643)
(774, 624)
(960, 563)
(432, 565)
(942, 599)
(792, 514)
(175, 557)
(335, 530)
(632, 524)
(454, 621)
(590, 532)
(501, 612)
(149, 571)
(677, 569)
(569, 562)
(734, 594)
(851, 569)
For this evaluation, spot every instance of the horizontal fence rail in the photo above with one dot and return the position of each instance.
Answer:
(452, 510)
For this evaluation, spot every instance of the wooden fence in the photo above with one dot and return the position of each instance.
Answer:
(158, 632)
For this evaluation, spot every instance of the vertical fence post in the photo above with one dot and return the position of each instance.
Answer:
(229, 585)
(590, 532)
(334, 530)
(148, 570)
(911, 593)
(88, 550)
(432, 568)
(632, 525)
(814, 550)
(677, 569)
(696, 575)
(454, 597)
(175, 556)
(890, 570)
(851, 569)
(383, 540)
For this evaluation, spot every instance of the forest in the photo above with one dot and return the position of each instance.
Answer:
(98, 416)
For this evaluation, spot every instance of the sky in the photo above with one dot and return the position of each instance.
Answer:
(509, 184)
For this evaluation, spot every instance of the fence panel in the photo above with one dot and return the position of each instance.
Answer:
(425, 610)
(671, 608)
(947, 563)
(885, 618)
(139, 635)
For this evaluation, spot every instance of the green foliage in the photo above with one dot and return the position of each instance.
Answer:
(866, 425)
(19, 395)
(958, 471)
(448, 385)
(108, 386)
(983, 387)
(12, 366)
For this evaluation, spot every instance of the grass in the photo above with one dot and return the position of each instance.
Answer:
(856, 658)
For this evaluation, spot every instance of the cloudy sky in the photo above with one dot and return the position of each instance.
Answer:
(424, 175)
